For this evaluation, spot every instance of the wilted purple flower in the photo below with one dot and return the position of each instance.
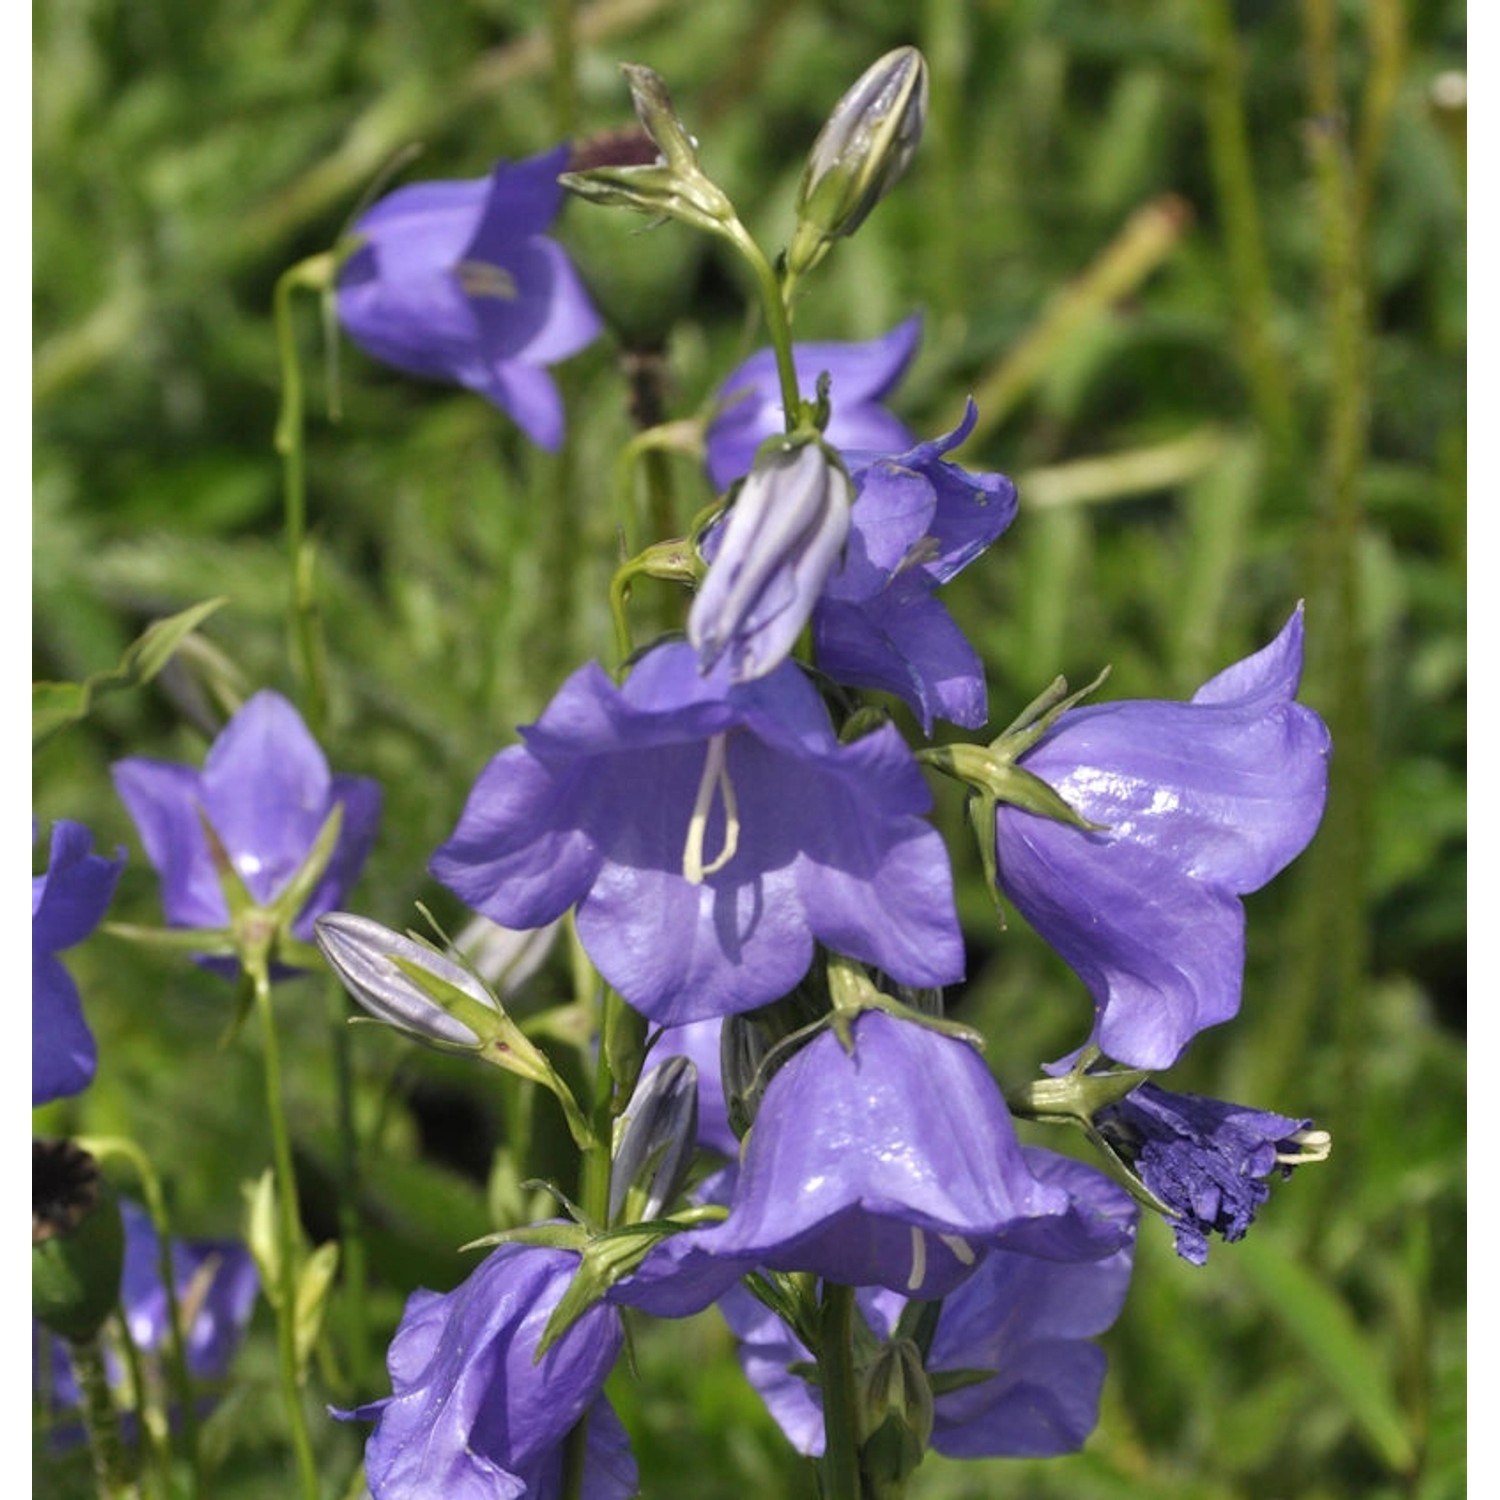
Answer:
(265, 788)
(1029, 1320)
(918, 522)
(895, 1165)
(770, 557)
(1202, 803)
(458, 281)
(473, 1414)
(216, 1285)
(1208, 1160)
(861, 377)
(709, 833)
(67, 903)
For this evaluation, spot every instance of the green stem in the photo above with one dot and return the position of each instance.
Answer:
(564, 80)
(315, 273)
(778, 324)
(840, 1467)
(101, 1421)
(288, 1248)
(351, 1227)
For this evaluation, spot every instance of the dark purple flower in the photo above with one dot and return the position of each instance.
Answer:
(895, 1165)
(918, 521)
(473, 1414)
(67, 904)
(770, 558)
(216, 1286)
(861, 377)
(709, 833)
(1207, 1160)
(458, 281)
(266, 790)
(1027, 1319)
(1202, 803)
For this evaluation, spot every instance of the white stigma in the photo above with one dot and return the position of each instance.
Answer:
(918, 1260)
(715, 778)
(962, 1250)
(1312, 1145)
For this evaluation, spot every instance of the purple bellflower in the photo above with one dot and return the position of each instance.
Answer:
(770, 558)
(266, 790)
(709, 834)
(861, 376)
(895, 1165)
(216, 1286)
(1030, 1321)
(67, 903)
(473, 1414)
(458, 281)
(1202, 802)
(1208, 1160)
(918, 521)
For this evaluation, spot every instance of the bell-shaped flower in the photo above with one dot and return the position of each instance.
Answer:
(458, 281)
(215, 1284)
(709, 833)
(1028, 1320)
(861, 376)
(67, 903)
(1199, 803)
(771, 556)
(895, 1164)
(266, 790)
(918, 521)
(1209, 1161)
(473, 1414)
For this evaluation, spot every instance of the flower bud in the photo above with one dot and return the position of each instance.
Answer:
(657, 1135)
(775, 550)
(859, 154)
(77, 1241)
(895, 1410)
(365, 957)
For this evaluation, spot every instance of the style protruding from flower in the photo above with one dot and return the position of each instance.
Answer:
(458, 281)
(67, 904)
(1028, 1321)
(771, 556)
(473, 1414)
(266, 791)
(215, 1283)
(860, 154)
(918, 522)
(893, 1164)
(1198, 803)
(710, 833)
(861, 376)
(1209, 1161)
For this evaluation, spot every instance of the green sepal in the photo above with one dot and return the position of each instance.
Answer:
(296, 893)
(944, 1382)
(546, 1236)
(56, 705)
(214, 942)
(314, 1285)
(1041, 714)
(1076, 1096)
(260, 1233)
(75, 1277)
(605, 1259)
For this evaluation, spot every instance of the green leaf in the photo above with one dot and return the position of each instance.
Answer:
(314, 1283)
(1318, 1318)
(56, 705)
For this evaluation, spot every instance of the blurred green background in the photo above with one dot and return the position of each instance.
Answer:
(1202, 266)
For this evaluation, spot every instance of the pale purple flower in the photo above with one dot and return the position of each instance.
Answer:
(1029, 1320)
(1202, 802)
(67, 904)
(473, 1414)
(216, 1286)
(917, 522)
(266, 789)
(769, 559)
(709, 833)
(861, 376)
(1208, 1160)
(458, 281)
(896, 1165)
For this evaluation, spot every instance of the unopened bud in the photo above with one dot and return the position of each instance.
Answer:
(657, 1135)
(895, 1417)
(368, 960)
(866, 145)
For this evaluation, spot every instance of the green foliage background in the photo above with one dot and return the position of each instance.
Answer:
(1202, 265)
